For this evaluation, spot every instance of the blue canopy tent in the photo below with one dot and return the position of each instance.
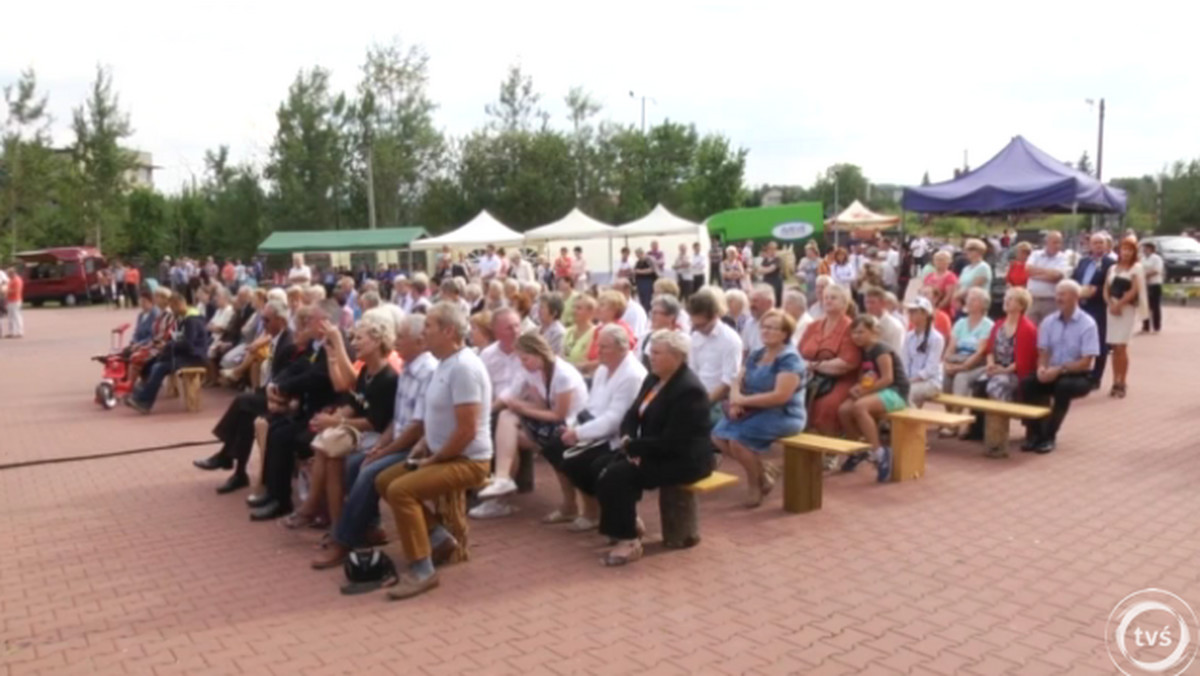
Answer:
(1020, 178)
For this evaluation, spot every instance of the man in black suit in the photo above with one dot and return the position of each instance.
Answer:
(1090, 272)
(236, 427)
(293, 398)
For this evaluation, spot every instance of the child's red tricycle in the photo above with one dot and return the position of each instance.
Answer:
(115, 383)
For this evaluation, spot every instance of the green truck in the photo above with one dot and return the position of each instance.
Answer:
(788, 224)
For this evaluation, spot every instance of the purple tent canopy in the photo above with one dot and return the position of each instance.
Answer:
(1020, 178)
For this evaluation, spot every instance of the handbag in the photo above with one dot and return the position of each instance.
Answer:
(820, 384)
(336, 442)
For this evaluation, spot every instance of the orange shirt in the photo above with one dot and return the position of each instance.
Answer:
(16, 287)
(133, 276)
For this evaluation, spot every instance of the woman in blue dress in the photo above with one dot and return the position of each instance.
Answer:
(766, 403)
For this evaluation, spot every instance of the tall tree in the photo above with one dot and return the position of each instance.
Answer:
(589, 166)
(100, 129)
(843, 181)
(716, 181)
(394, 131)
(517, 108)
(27, 165)
(307, 168)
(1084, 164)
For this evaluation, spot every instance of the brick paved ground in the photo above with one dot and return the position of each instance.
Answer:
(132, 565)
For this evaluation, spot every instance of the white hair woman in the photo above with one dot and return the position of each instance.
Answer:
(967, 347)
(665, 442)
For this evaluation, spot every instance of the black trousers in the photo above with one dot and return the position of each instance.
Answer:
(618, 485)
(1101, 317)
(1058, 396)
(235, 429)
(1154, 297)
(685, 287)
(288, 438)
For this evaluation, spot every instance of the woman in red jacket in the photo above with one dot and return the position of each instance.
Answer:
(1012, 354)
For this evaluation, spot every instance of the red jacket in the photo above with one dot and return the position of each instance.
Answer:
(1026, 346)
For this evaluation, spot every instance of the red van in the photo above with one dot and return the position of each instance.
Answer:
(63, 274)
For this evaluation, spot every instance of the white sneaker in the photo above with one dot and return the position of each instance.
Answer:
(492, 509)
(498, 488)
(227, 374)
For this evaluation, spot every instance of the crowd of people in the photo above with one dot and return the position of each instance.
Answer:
(444, 383)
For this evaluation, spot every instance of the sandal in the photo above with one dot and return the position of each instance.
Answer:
(623, 554)
(558, 516)
(771, 475)
(582, 524)
(297, 520)
(1120, 391)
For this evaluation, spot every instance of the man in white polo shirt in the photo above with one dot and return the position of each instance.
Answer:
(1046, 267)
(489, 265)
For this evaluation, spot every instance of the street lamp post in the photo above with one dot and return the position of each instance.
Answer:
(1099, 141)
(643, 97)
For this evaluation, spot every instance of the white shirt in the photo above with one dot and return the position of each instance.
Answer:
(611, 396)
(566, 378)
(805, 320)
(1040, 288)
(891, 268)
(919, 247)
(489, 266)
(1153, 263)
(503, 369)
(524, 271)
(924, 366)
(300, 274)
(459, 379)
(635, 317)
(844, 274)
(747, 255)
(682, 266)
(699, 265)
(891, 332)
(751, 335)
(717, 357)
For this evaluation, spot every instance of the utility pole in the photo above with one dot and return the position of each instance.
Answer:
(1100, 144)
(643, 98)
(370, 186)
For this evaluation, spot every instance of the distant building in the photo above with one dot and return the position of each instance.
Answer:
(141, 175)
(772, 198)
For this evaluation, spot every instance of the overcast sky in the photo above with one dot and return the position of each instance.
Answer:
(896, 87)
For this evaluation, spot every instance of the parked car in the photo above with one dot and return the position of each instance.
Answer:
(1181, 256)
(63, 274)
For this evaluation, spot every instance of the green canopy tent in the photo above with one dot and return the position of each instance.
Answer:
(381, 239)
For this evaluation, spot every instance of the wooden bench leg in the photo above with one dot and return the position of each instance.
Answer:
(995, 435)
(680, 513)
(452, 513)
(191, 392)
(908, 449)
(172, 386)
(803, 478)
(524, 477)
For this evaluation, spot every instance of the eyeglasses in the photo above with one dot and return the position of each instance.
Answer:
(771, 327)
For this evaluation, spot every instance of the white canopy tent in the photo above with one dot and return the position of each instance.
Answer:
(857, 215)
(480, 231)
(575, 225)
(658, 222)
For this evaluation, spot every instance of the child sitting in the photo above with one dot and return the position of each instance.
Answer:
(882, 388)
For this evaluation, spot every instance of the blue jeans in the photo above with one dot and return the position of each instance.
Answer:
(148, 392)
(361, 511)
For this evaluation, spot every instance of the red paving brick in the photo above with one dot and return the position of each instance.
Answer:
(131, 564)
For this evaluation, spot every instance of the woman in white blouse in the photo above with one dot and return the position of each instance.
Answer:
(596, 432)
(546, 397)
(923, 347)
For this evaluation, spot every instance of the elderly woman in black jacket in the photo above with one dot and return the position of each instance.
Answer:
(664, 442)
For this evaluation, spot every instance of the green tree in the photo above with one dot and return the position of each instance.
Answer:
(588, 163)
(394, 130)
(100, 128)
(146, 226)
(28, 167)
(1084, 164)
(308, 163)
(849, 182)
(517, 108)
(716, 181)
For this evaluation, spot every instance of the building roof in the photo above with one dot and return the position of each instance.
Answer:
(380, 239)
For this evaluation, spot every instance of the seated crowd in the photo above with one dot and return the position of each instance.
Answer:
(447, 389)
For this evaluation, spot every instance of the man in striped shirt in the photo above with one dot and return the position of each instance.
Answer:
(359, 525)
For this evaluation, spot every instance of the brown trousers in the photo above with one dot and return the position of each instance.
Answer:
(407, 491)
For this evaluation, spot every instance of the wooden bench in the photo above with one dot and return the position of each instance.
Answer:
(996, 417)
(909, 427)
(804, 468)
(680, 511)
(193, 379)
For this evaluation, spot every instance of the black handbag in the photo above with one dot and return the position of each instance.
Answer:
(820, 384)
